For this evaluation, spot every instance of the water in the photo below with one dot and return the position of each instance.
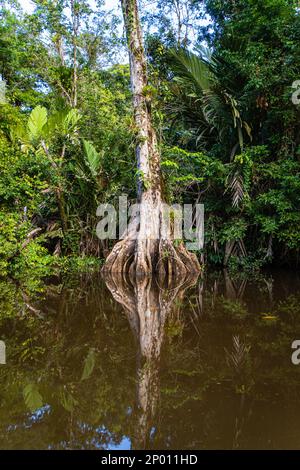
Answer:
(100, 365)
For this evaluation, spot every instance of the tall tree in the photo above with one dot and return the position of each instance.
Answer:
(147, 246)
(173, 22)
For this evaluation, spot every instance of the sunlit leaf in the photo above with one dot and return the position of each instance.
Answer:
(36, 122)
(93, 158)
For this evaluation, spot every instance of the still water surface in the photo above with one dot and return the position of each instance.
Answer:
(94, 364)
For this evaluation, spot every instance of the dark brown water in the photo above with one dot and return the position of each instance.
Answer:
(96, 366)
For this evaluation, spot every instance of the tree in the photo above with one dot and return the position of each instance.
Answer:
(146, 246)
(72, 36)
(40, 135)
(172, 21)
(199, 83)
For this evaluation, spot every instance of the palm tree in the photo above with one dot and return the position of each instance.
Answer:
(213, 113)
(204, 102)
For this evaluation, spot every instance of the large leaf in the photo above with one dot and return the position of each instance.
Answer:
(62, 122)
(71, 121)
(20, 134)
(55, 122)
(36, 122)
(93, 158)
(89, 364)
(32, 397)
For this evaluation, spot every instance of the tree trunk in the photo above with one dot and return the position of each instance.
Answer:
(152, 248)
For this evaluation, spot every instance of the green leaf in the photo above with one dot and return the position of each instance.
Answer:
(71, 120)
(89, 364)
(55, 122)
(32, 397)
(191, 70)
(93, 158)
(36, 122)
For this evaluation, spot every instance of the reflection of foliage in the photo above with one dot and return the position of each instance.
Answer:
(71, 362)
(71, 380)
(89, 364)
(32, 397)
(237, 358)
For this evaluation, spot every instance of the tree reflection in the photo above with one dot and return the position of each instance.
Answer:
(209, 368)
(147, 305)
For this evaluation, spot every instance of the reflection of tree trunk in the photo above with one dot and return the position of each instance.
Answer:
(229, 286)
(147, 397)
(234, 290)
(269, 283)
(146, 305)
(242, 417)
(214, 294)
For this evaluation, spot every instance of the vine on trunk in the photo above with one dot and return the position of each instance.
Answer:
(152, 249)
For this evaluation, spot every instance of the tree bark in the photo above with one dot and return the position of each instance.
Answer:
(75, 28)
(152, 249)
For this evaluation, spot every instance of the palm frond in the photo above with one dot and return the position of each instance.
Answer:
(200, 80)
(191, 70)
(236, 185)
(238, 357)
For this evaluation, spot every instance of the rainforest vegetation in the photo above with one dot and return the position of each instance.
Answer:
(219, 85)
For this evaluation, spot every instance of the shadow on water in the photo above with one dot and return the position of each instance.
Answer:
(93, 363)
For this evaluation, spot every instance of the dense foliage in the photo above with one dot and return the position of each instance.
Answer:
(221, 95)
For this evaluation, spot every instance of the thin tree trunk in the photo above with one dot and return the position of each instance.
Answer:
(152, 250)
(62, 211)
(75, 26)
